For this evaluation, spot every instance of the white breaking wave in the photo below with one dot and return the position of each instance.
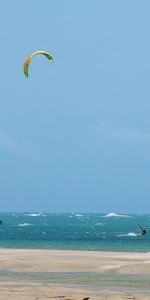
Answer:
(115, 215)
(132, 234)
(24, 224)
(34, 215)
(128, 234)
(79, 215)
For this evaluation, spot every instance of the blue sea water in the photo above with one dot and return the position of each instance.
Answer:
(74, 231)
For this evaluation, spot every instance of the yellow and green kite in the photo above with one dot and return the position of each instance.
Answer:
(27, 61)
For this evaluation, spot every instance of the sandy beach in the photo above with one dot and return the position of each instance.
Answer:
(59, 274)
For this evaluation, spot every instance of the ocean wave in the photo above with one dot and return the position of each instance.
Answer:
(24, 224)
(132, 234)
(79, 215)
(128, 234)
(115, 215)
(36, 215)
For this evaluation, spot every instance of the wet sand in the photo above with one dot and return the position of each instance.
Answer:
(58, 274)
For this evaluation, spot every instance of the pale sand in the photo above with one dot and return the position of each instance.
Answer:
(54, 274)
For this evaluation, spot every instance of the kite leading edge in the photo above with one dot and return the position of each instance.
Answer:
(29, 58)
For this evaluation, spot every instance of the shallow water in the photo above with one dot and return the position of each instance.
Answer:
(98, 282)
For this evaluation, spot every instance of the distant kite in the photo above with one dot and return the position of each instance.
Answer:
(27, 61)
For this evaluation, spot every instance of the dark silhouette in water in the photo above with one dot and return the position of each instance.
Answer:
(143, 229)
(1, 222)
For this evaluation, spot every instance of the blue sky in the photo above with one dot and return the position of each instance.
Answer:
(75, 135)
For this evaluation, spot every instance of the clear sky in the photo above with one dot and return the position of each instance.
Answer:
(75, 135)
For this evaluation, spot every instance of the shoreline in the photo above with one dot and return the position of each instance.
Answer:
(40, 274)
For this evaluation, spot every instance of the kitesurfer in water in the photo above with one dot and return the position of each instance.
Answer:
(143, 229)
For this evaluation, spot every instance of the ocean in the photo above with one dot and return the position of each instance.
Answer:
(75, 231)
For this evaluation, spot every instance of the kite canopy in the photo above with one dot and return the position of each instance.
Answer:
(27, 61)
